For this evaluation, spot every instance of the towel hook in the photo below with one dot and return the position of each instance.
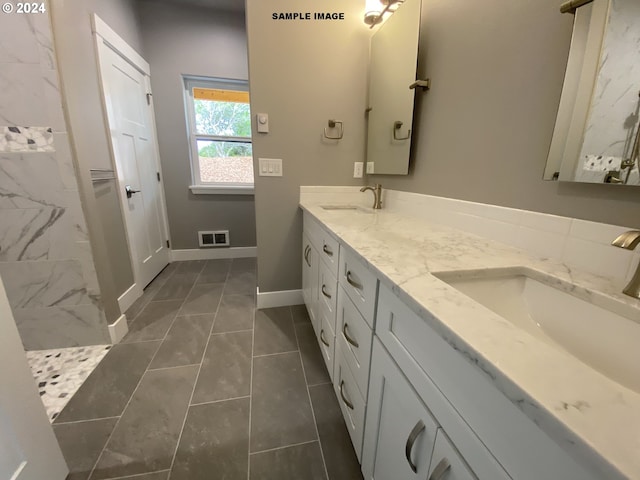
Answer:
(397, 125)
(334, 124)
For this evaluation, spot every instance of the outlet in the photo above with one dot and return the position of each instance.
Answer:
(357, 169)
(370, 168)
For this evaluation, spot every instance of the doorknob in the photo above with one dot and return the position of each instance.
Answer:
(130, 191)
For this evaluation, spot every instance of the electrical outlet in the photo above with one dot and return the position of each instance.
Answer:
(370, 168)
(357, 169)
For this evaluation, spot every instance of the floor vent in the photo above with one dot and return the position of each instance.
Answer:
(218, 238)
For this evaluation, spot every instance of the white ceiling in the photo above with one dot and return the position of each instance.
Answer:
(226, 5)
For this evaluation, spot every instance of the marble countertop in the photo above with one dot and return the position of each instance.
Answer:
(595, 418)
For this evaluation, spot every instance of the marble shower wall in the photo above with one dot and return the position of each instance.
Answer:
(46, 261)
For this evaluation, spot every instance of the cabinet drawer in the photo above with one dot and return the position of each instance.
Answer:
(351, 402)
(446, 461)
(359, 283)
(327, 341)
(327, 292)
(327, 246)
(354, 336)
(400, 431)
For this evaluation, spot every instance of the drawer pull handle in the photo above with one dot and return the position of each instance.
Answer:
(348, 337)
(327, 250)
(307, 251)
(322, 337)
(344, 399)
(440, 469)
(324, 292)
(413, 436)
(352, 282)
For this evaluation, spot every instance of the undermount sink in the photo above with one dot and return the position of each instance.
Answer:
(605, 341)
(355, 208)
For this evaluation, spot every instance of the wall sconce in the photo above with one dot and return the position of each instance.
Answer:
(375, 10)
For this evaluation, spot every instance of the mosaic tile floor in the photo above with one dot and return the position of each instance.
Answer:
(60, 372)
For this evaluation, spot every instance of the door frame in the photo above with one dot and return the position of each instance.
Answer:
(103, 34)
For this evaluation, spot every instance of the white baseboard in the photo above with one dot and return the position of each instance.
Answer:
(118, 329)
(283, 298)
(128, 297)
(213, 253)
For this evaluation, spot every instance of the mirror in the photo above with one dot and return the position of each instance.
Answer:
(393, 61)
(597, 133)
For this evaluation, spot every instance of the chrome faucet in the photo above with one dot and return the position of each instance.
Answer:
(377, 195)
(630, 240)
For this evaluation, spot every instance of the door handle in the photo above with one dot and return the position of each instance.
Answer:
(352, 282)
(130, 191)
(324, 292)
(344, 399)
(442, 468)
(413, 436)
(348, 337)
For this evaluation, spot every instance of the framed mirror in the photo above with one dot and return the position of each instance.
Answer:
(597, 133)
(393, 62)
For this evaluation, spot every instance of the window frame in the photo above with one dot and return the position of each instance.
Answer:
(197, 186)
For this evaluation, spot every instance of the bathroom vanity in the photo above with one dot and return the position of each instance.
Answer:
(435, 384)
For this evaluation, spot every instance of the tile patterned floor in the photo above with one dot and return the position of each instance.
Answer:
(59, 373)
(205, 386)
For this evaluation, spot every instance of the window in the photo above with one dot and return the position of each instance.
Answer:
(219, 122)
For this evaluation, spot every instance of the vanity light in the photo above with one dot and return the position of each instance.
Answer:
(375, 10)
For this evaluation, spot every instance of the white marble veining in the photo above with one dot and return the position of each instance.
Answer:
(45, 258)
(614, 114)
(593, 418)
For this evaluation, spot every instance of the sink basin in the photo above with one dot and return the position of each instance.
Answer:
(605, 341)
(346, 208)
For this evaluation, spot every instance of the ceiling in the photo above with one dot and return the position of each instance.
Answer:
(226, 5)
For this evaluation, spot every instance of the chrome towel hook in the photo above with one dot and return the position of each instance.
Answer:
(397, 125)
(334, 124)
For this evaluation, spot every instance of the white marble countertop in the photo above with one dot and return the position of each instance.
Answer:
(594, 418)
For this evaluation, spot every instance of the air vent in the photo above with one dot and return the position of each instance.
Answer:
(218, 238)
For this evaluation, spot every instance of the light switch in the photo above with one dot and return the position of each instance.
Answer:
(357, 169)
(270, 167)
(370, 168)
(262, 120)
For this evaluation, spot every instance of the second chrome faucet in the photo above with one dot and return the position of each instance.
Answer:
(377, 195)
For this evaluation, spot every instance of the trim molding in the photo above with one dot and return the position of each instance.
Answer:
(118, 329)
(282, 298)
(100, 28)
(130, 295)
(213, 253)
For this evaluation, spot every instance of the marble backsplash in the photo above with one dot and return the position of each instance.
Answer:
(46, 261)
(577, 243)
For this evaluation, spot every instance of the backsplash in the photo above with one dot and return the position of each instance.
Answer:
(577, 243)
(46, 261)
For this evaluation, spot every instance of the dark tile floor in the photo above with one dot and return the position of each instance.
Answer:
(205, 386)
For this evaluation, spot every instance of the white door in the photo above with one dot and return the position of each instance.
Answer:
(126, 89)
(28, 447)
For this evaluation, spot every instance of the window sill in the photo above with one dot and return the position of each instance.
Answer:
(221, 190)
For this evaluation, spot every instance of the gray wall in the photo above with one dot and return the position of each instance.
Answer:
(193, 41)
(46, 261)
(302, 73)
(483, 131)
(78, 67)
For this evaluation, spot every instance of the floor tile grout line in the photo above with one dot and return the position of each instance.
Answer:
(195, 383)
(137, 386)
(219, 401)
(151, 299)
(170, 368)
(253, 340)
(85, 421)
(233, 331)
(274, 354)
(136, 475)
(306, 383)
(275, 449)
(104, 447)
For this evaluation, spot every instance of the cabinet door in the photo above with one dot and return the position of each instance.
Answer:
(310, 280)
(446, 462)
(399, 430)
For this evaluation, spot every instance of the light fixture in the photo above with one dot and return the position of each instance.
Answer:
(375, 10)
